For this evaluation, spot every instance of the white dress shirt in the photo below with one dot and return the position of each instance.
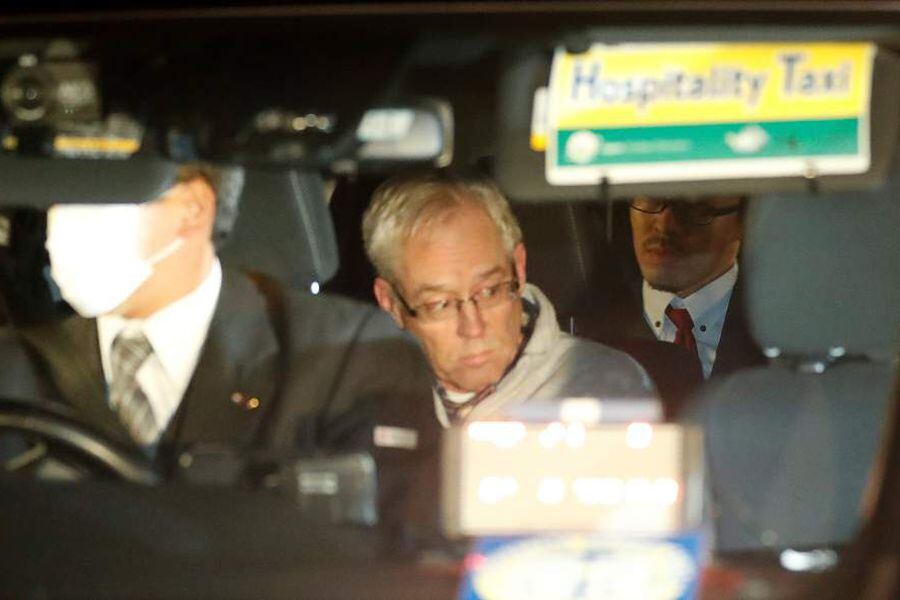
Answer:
(176, 333)
(707, 307)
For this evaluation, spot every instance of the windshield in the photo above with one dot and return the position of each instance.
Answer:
(302, 253)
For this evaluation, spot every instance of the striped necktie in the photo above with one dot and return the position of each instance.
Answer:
(128, 400)
(458, 411)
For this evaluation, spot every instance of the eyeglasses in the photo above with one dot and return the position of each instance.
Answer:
(696, 213)
(448, 308)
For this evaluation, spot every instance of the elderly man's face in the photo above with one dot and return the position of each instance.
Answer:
(677, 255)
(457, 256)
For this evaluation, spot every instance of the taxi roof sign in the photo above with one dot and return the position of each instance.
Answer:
(685, 111)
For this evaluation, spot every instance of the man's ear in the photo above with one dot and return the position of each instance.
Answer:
(384, 295)
(200, 204)
(519, 256)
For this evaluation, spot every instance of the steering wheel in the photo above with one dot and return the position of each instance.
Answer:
(53, 429)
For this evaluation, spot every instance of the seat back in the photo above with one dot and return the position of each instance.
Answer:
(283, 229)
(790, 445)
(570, 258)
(27, 293)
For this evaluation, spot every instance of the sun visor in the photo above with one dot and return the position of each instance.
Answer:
(700, 118)
(41, 182)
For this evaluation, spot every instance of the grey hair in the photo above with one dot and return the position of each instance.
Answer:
(408, 202)
(227, 182)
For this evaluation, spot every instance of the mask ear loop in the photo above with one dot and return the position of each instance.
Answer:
(173, 246)
(165, 252)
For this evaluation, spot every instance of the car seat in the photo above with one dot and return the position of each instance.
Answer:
(790, 445)
(283, 229)
(27, 294)
(569, 257)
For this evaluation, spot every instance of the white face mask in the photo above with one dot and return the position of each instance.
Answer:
(95, 254)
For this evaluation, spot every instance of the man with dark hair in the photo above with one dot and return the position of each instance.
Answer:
(227, 182)
(687, 252)
(171, 355)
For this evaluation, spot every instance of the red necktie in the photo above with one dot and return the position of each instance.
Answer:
(684, 324)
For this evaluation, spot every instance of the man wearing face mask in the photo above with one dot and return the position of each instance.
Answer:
(171, 355)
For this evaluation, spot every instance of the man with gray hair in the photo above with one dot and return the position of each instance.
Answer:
(451, 269)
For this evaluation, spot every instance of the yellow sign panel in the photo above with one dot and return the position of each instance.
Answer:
(663, 112)
(650, 84)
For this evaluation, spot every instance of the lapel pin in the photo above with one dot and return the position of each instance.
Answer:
(245, 401)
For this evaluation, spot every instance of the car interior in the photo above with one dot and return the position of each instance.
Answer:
(801, 453)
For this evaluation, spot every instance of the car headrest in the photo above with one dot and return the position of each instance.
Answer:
(822, 273)
(283, 229)
(41, 182)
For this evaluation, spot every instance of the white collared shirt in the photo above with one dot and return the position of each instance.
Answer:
(707, 307)
(176, 333)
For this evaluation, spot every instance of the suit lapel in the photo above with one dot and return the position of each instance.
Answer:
(736, 348)
(623, 321)
(628, 317)
(235, 379)
(70, 350)
(635, 322)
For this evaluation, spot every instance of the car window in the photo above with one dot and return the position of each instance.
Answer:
(788, 370)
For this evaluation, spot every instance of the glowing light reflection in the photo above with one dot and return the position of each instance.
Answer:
(551, 490)
(666, 491)
(639, 491)
(575, 435)
(503, 434)
(552, 435)
(492, 490)
(608, 491)
(639, 436)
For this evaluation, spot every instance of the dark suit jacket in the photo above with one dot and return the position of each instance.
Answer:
(675, 373)
(324, 370)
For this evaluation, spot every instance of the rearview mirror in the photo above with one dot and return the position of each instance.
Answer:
(420, 133)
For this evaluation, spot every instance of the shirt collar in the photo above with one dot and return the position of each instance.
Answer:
(698, 304)
(531, 309)
(176, 332)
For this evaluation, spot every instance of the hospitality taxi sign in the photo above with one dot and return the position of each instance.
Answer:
(668, 112)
